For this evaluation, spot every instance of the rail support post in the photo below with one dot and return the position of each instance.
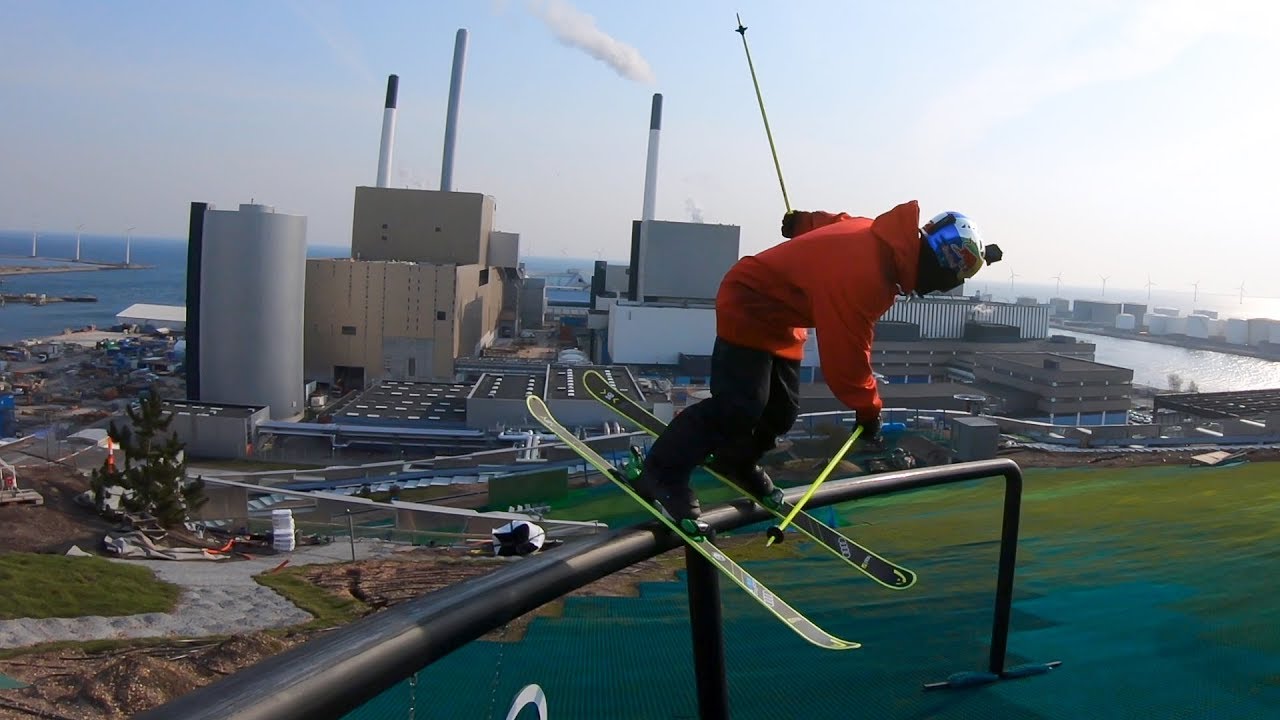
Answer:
(707, 625)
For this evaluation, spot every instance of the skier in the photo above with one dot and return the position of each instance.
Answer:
(837, 274)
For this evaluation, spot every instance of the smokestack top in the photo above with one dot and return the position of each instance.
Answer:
(393, 87)
(451, 116)
(655, 116)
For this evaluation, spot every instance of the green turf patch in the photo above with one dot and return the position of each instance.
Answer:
(328, 609)
(56, 586)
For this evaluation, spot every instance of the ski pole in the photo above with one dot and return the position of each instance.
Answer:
(775, 533)
(742, 30)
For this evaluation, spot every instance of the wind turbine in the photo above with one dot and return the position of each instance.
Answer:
(1149, 284)
(1057, 288)
(1104, 284)
(128, 241)
(1012, 275)
(1241, 288)
(78, 229)
(1195, 297)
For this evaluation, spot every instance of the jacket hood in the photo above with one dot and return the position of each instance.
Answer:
(899, 230)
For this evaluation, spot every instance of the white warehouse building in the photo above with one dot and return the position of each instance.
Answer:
(650, 334)
(658, 333)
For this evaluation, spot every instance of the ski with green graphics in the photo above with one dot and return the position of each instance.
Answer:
(695, 536)
(884, 572)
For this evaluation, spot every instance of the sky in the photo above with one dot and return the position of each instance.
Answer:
(1132, 138)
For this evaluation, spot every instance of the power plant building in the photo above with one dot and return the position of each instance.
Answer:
(245, 308)
(419, 291)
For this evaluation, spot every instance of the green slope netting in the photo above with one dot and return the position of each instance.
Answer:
(1154, 587)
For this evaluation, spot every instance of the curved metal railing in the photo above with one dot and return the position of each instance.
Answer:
(338, 672)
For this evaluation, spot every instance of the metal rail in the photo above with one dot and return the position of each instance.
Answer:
(341, 670)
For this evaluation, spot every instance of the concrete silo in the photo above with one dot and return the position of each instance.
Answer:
(248, 302)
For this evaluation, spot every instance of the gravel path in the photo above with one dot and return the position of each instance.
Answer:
(218, 597)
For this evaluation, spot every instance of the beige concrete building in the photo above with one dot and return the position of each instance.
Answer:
(426, 226)
(419, 291)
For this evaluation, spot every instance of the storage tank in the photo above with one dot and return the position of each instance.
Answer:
(252, 280)
(1125, 321)
(1158, 324)
(1260, 330)
(1237, 331)
(1197, 326)
(1167, 311)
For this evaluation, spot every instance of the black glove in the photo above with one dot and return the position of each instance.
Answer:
(870, 429)
(789, 224)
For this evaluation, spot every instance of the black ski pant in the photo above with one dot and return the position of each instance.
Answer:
(755, 397)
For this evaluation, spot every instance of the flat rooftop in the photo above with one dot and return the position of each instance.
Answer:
(411, 401)
(147, 312)
(508, 386)
(187, 407)
(566, 382)
(1065, 362)
(1232, 404)
(896, 391)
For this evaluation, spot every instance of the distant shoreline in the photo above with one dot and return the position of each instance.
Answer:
(42, 270)
(1173, 340)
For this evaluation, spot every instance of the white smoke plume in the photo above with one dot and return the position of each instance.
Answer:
(692, 210)
(575, 28)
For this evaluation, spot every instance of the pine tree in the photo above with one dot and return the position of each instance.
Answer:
(153, 470)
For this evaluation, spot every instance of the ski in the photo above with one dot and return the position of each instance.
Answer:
(884, 572)
(699, 542)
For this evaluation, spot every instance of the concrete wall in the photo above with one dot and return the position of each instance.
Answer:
(207, 434)
(395, 320)
(649, 334)
(504, 249)
(422, 226)
(533, 302)
(224, 503)
(617, 278)
(575, 413)
(685, 260)
(252, 279)
(485, 413)
(478, 303)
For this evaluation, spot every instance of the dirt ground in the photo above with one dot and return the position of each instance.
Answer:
(74, 685)
(57, 524)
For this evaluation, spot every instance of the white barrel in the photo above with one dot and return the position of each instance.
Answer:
(283, 530)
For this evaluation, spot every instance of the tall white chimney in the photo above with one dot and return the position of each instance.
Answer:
(388, 130)
(651, 167)
(451, 120)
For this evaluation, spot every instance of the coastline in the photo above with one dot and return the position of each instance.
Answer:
(1181, 341)
(39, 270)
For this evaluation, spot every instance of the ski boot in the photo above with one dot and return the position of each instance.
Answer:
(677, 502)
(753, 480)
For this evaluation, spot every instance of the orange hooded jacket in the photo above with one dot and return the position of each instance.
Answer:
(839, 278)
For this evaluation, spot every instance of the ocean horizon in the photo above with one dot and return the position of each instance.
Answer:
(165, 283)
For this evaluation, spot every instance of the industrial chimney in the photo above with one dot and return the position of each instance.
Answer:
(651, 167)
(451, 120)
(388, 131)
